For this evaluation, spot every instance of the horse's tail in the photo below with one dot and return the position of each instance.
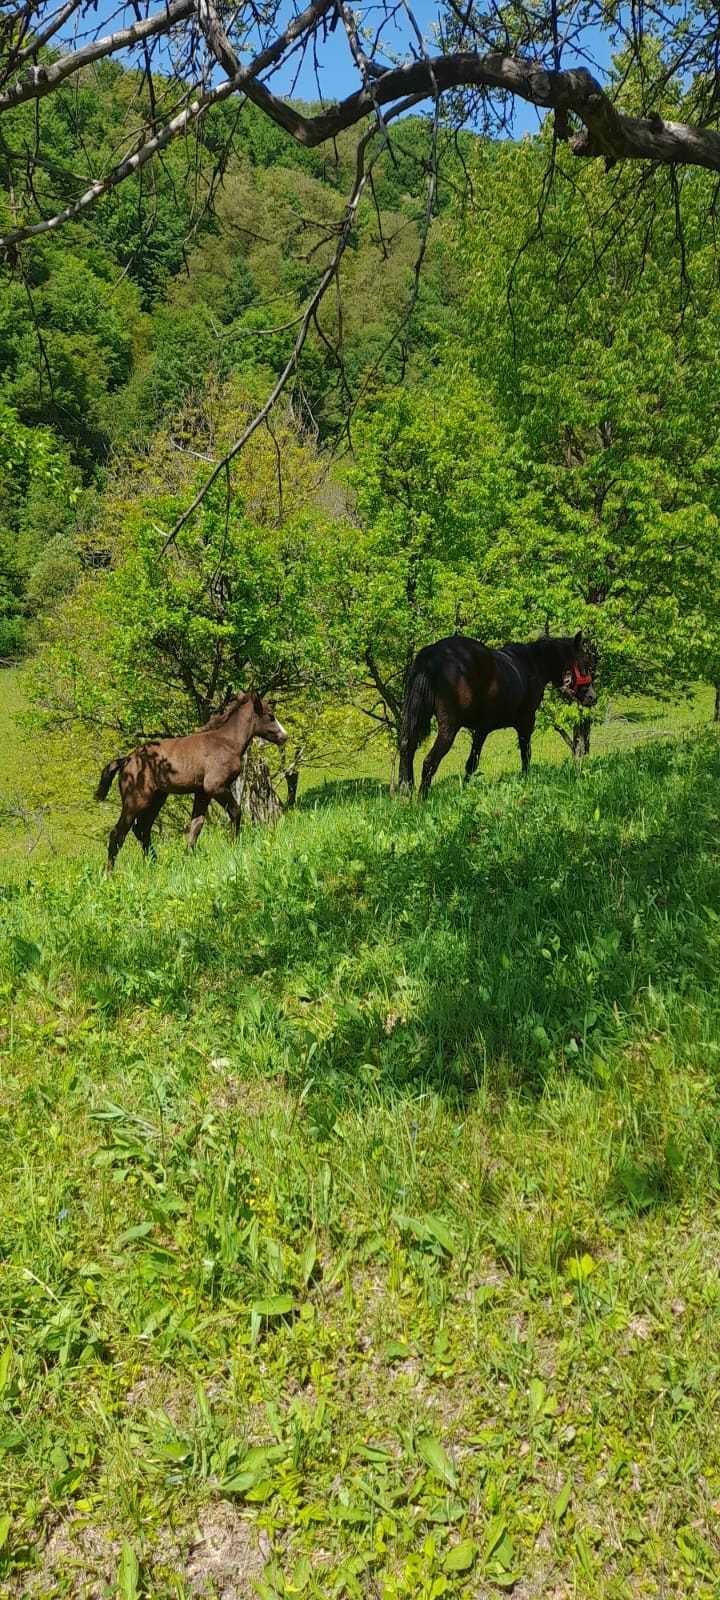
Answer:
(107, 775)
(418, 707)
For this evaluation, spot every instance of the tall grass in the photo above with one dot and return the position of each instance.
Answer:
(361, 1181)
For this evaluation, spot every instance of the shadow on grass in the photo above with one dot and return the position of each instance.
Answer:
(495, 934)
(524, 929)
(335, 791)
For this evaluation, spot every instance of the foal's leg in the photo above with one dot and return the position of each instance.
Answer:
(234, 812)
(474, 756)
(142, 825)
(444, 742)
(117, 838)
(200, 805)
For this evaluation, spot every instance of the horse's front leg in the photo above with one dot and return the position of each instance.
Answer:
(475, 753)
(525, 733)
(444, 742)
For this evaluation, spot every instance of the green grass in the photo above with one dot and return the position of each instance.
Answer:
(46, 786)
(360, 1200)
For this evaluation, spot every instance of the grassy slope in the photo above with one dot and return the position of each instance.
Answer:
(444, 1082)
(45, 791)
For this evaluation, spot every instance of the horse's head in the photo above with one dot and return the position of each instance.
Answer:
(266, 722)
(576, 681)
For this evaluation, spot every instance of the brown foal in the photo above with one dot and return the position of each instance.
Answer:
(203, 764)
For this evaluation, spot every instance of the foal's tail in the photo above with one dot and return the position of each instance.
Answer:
(418, 707)
(107, 775)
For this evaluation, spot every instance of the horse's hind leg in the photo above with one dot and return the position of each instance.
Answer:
(474, 756)
(142, 826)
(118, 835)
(444, 742)
(407, 761)
(200, 805)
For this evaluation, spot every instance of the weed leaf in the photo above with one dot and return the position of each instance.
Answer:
(461, 1557)
(128, 1578)
(436, 1458)
(562, 1500)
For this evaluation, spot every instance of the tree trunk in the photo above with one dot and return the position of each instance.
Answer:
(292, 780)
(581, 741)
(716, 713)
(253, 791)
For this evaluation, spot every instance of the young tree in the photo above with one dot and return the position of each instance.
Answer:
(155, 644)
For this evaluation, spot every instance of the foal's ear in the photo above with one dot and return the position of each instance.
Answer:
(577, 641)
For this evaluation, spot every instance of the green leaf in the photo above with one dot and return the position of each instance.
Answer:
(461, 1557)
(439, 1230)
(537, 1395)
(140, 1231)
(373, 1452)
(240, 1483)
(260, 1491)
(495, 1533)
(128, 1578)
(277, 1305)
(5, 1360)
(427, 1230)
(5, 1526)
(445, 1511)
(579, 1268)
(436, 1458)
(307, 1261)
(395, 1350)
(562, 1500)
(504, 1555)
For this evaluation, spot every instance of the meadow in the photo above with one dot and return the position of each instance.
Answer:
(359, 1192)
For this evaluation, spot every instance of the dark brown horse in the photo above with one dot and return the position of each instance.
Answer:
(465, 685)
(203, 764)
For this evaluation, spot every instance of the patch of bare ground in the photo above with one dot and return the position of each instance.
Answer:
(221, 1559)
(227, 1555)
(159, 1390)
(79, 1554)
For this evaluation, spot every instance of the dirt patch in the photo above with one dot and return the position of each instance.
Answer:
(82, 1555)
(158, 1389)
(227, 1555)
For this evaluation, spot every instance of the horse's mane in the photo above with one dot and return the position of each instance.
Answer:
(220, 717)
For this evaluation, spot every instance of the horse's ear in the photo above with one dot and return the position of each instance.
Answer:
(577, 641)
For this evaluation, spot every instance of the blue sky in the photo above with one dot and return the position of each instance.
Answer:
(337, 75)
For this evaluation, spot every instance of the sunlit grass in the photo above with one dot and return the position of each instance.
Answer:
(359, 1190)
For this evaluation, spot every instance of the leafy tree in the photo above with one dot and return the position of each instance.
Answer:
(440, 502)
(604, 381)
(202, 82)
(33, 470)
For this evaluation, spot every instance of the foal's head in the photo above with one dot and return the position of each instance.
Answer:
(266, 722)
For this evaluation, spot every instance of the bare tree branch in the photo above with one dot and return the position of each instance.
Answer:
(42, 80)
